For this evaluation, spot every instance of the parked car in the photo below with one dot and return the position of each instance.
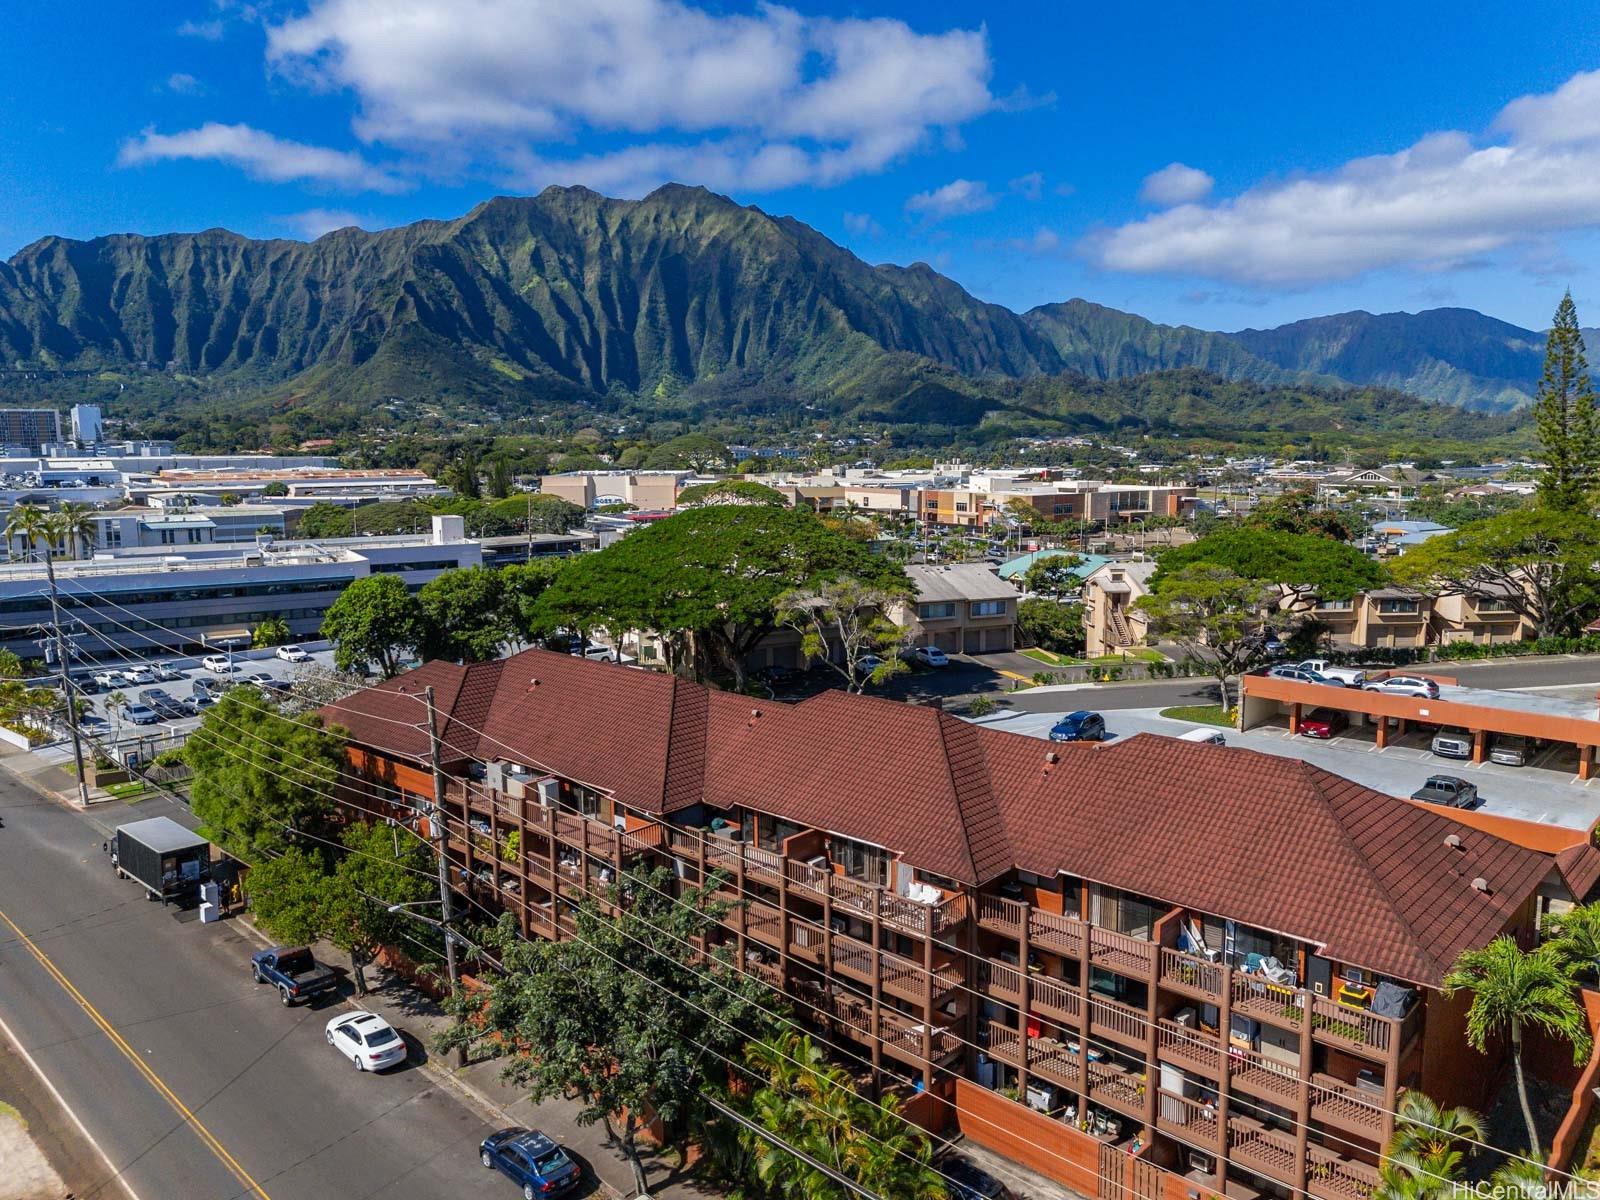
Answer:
(292, 654)
(1211, 737)
(1452, 743)
(168, 708)
(1289, 671)
(1080, 726)
(1323, 723)
(294, 972)
(1272, 645)
(140, 714)
(1510, 750)
(205, 691)
(531, 1161)
(367, 1040)
(931, 656)
(965, 1180)
(257, 678)
(166, 672)
(108, 680)
(220, 663)
(1447, 790)
(1349, 676)
(868, 664)
(1405, 685)
(138, 677)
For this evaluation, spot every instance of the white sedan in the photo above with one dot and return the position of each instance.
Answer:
(931, 656)
(367, 1040)
(293, 654)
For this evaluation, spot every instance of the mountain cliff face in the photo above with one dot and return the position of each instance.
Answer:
(569, 294)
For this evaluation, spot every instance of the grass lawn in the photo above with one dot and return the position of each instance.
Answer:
(1139, 654)
(1050, 658)
(1200, 714)
(134, 789)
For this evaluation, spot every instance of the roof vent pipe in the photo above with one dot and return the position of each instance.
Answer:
(1453, 842)
(1480, 884)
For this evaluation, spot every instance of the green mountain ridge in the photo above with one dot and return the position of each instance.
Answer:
(678, 300)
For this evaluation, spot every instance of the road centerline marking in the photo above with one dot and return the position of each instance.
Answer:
(155, 1081)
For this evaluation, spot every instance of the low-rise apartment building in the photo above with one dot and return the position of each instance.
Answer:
(962, 608)
(1180, 967)
(979, 503)
(1112, 620)
(1402, 618)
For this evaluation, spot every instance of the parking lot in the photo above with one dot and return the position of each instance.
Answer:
(1547, 790)
(162, 699)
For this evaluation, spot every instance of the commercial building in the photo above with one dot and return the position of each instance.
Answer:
(145, 526)
(304, 484)
(982, 501)
(963, 608)
(182, 595)
(648, 490)
(87, 427)
(27, 430)
(1150, 966)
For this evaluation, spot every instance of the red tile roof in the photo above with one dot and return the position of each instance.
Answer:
(1268, 841)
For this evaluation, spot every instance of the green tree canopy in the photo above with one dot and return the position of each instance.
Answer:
(686, 452)
(375, 621)
(1051, 625)
(521, 586)
(1309, 566)
(538, 514)
(261, 777)
(1217, 615)
(1055, 576)
(1299, 511)
(1541, 562)
(729, 491)
(273, 631)
(843, 621)
(323, 520)
(708, 580)
(464, 615)
(1564, 414)
(617, 1017)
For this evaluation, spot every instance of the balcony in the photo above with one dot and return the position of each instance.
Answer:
(1191, 976)
(1345, 1106)
(1050, 932)
(900, 976)
(1189, 1048)
(1053, 998)
(1117, 1087)
(1257, 1076)
(1194, 1122)
(1331, 1176)
(1268, 1152)
(904, 1038)
(1356, 1029)
(816, 883)
(1275, 1003)
(1119, 1022)
(1118, 952)
(1047, 1058)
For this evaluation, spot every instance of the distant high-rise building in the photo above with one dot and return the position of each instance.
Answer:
(86, 424)
(29, 427)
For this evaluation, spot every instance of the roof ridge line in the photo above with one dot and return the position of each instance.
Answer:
(945, 724)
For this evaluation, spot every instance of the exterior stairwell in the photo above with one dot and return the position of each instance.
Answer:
(1121, 635)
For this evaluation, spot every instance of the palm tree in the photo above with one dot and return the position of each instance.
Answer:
(72, 527)
(1513, 989)
(1521, 1179)
(1426, 1130)
(1576, 935)
(29, 522)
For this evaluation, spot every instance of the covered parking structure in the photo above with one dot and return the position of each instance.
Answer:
(1480, 711)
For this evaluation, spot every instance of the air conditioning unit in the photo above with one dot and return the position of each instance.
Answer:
(549, 792)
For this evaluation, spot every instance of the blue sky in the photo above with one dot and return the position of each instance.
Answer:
(1216, 165)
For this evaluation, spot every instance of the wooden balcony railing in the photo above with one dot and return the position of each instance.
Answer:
(1001, 915)
(1269, 1151)
(1189, 1119)
(1056, 997)
(1121, 953)
(1279, 1004)
(1330, 1176)
(1118, 1019)
(1258, 1076)
(1345, 1106)
(1189, 1048)
(1352, 1027)
(1117, 1086)
(1056, 933)
(1195, 975)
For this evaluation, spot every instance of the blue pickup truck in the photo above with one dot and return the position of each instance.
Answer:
(293, 971)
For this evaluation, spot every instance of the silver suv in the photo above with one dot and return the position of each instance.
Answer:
(1404, 685)
(1510, 751)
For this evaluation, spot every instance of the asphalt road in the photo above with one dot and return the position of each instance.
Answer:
(283, 1117)
(1508, 673)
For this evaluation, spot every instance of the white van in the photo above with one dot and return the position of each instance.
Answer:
(1210, 736)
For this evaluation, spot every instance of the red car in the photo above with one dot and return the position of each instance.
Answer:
(1323, 723)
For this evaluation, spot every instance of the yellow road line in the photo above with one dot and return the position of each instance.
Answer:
(250, 1185)
(1012, 675)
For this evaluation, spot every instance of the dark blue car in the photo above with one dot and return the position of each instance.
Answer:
(1080, 726)
(531, 1161)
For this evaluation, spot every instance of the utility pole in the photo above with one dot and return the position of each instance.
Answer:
(436, 832)
(66, 681)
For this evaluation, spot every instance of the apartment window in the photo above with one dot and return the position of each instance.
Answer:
(1062, 510)
(169, 536)
(870, 864)
(1335, 605)
(111, 538)
(1123, 912)
(988, 608)
(1493, 604)
(961, 506)
(1398, 606)
(937, 611)
(772, 832)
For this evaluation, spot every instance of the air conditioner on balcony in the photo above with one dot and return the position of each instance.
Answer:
(549, 792)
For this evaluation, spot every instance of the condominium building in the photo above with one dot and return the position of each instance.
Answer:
(645, 490)
(1152, 964)
(981, 502)
(28, 430)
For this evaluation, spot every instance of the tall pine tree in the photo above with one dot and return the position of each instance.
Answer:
(1565, 416)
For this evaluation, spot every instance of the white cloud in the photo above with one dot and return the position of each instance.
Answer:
(184, 84)
(210, 31)
(1029, 186)
(1446, 201)
(761, 101)
(862, 225)
(1175, 183)
(314, 222)
(958, 198)
(260, 155)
